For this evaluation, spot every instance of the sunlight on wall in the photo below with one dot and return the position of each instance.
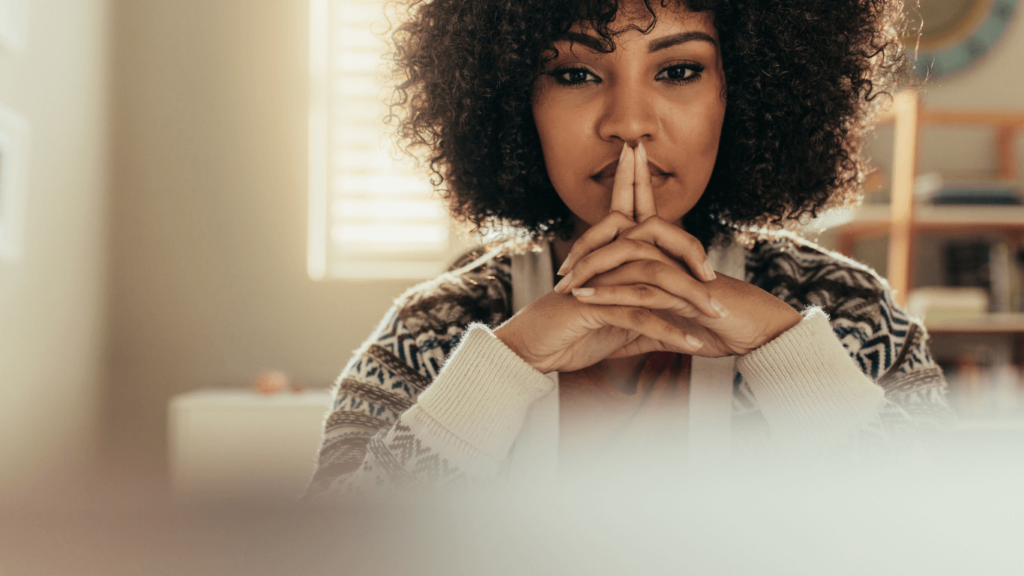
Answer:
(370, 216)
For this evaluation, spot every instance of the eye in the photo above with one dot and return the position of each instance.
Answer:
(574, 77)
(683, 73)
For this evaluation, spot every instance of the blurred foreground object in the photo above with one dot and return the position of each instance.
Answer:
(959, 517)
(239, 443)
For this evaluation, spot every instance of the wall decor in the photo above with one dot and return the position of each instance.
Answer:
(952, 34)
(14, 151)
(13, 24)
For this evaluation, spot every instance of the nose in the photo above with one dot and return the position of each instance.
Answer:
(629, 115)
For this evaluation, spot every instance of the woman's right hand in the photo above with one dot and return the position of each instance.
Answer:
(557, 332)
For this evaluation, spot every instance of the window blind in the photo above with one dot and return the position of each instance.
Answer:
(370, 215)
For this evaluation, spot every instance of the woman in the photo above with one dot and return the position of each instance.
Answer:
(635, 143)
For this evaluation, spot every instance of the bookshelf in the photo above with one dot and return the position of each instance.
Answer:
(902, 220)
(985, 353)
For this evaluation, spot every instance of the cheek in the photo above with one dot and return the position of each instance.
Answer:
(701, 127)
(562, 137)
(702, 148)
(552, 145)
(696, 132)
(555, 126)
(695, 137)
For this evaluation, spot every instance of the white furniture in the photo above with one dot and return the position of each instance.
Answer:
(236, 443)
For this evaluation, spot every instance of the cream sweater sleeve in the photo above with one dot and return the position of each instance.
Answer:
(481, 396)
(808, 387)
(390, 428)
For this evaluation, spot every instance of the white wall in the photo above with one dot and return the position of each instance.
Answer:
(52, 303)
(209, 220)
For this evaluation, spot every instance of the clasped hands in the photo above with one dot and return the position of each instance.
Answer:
(636, 283)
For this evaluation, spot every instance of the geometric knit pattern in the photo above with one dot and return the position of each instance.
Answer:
(389, 371)
(367, 443)
(887, 344)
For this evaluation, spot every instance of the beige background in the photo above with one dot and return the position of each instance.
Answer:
(209, 213)
(53, 303)
(167, 221)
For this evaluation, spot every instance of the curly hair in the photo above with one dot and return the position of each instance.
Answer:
(803, 80)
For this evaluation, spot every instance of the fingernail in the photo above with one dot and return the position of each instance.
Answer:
(582, 291)
(709, 273)
(565, 281)
(693, 341)
(565, 265)
(623, 155)
(722, 312)
(642, 150)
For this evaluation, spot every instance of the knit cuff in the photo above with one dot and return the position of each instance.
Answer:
(808, 387)
(483, 392)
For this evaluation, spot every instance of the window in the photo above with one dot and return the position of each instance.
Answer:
(370, 216)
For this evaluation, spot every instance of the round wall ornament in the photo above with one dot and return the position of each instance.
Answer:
(955, 33)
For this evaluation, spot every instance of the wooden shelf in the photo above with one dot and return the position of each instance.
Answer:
(995, 323)
(871, 218)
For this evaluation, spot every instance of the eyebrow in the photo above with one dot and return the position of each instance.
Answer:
(593, 42)
(600, 45)
(677, 39)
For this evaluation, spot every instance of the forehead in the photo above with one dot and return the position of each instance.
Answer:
(634, 20)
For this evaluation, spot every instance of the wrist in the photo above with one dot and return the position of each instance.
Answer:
(781, 321)
(508, 336)
(788, 319)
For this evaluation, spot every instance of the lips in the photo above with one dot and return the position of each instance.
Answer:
(608, 172)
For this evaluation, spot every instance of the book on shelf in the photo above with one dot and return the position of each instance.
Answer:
(948, 303)
(966, 262)
(982, 276)
(991, 264)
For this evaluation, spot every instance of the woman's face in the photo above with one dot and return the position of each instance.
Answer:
(665, 88)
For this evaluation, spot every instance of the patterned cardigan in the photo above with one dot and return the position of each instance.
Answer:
(376, 434)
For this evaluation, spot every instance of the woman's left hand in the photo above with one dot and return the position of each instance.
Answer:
(753, 317)
(613, 271)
